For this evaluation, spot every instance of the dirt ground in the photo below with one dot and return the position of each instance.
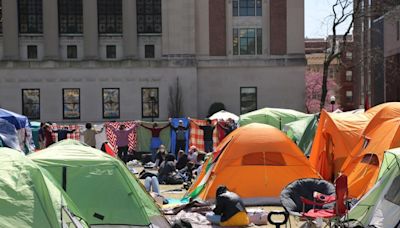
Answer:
(177, 192)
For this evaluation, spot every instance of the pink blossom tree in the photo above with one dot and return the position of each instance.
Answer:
(314, 91)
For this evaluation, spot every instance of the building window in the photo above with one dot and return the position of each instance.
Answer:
(70, 16)
(149, 51)
(31, 103)
(109, 16)
(111, 106)
(247, 7)
(248, 99)
(30, 16)
(71, 104)
(247, 41)
(349, 96)
(150, 103)
(32, 52)
(148, 16)
(349, 75)
(72, 52)
(111, 51)
(349, 55)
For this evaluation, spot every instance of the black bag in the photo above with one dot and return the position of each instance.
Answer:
(174, 179)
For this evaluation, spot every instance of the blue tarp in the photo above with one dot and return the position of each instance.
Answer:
(19, 121)
(175, 123)
(8, 135)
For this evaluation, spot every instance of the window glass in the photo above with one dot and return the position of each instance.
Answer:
(264, 159)
(32, 52)
(31, 103)
(248, 99)
(72, 52)
(70, 17)
(71, 104)
(371, 159)
(148, 16)
(111, 51)
(349, 95)
(235, 41)
(247, 8)
(109, 16)
(111, 103)
(149, 51)
(349, 75)
(150, 108)
(30, 16)
(259, 41)
(247, 41)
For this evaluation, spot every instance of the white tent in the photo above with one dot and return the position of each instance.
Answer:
(224, 115)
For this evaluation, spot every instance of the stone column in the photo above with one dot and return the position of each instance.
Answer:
(90, 29)
(130, 39)
(265, 27)
(10, 30)
(229, 27)
(50, 29)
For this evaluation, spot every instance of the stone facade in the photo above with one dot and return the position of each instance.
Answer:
(195, 45)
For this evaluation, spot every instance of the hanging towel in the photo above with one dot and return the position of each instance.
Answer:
(132, 137)
(197, 136)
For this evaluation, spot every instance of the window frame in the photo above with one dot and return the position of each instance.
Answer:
(236, 8)
(157, 102)
(37, 8)
(119, 103)
(72, 14)
(349, 98)
(112, 11)
(256, 98)
(145, 51)
(349, 76)
(64, 103)
(76, 51)
(23, 103)
(237, 41)
(115, 51)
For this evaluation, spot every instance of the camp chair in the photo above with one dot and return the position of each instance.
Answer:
(319, 199)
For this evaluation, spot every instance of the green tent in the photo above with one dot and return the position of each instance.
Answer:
(275, 117)
(144, 136)
(302, 132)
(30, 197)
(100, 185)
(380, 207)
(35, 126)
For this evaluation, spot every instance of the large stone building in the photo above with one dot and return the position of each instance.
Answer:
(91, 60)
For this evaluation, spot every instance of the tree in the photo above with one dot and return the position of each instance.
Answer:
(342, 12)
(175, 106)
(313, 91)
(215, 107)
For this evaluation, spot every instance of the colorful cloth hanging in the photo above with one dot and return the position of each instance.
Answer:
(132, 138)
(197, 136)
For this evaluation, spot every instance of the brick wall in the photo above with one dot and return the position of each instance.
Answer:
(278, 26)
(217, 25)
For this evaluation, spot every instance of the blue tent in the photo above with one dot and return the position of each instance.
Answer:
(9, 135)
(19, 121)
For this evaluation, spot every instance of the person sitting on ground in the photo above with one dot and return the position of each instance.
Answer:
(151, 184)
(182, 160)
(160, 157)
(167, 174)
(89, 135)
(229, 209)
(192, 154)
(155, 138)
(63, 133)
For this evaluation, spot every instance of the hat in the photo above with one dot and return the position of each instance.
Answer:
(180, 121)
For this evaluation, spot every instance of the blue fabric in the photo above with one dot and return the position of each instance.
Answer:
(19, 121)
(175, 123)
(8, 134)
(155, 144)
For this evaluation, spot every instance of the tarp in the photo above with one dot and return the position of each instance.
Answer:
(276, 117)
(144, 136)
(29, 196)
(9, 135)
(175, 123)
(302, 132)
(100, 185)
(380, 207)
(19, 121)
(256, 161)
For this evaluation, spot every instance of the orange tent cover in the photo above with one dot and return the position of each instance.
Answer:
(256, 161)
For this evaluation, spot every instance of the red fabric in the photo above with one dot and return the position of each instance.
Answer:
(112, 138)
(109, 150)
(221, 131)
(76, 135)
(366, 102)
(320, 213)
(196, 134)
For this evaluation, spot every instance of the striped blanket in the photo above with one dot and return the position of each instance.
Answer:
(76, 135)
(112, 138)
(197, 136)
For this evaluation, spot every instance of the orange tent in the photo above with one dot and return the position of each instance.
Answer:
(256, 161)
(363, 164)
(336, 135)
